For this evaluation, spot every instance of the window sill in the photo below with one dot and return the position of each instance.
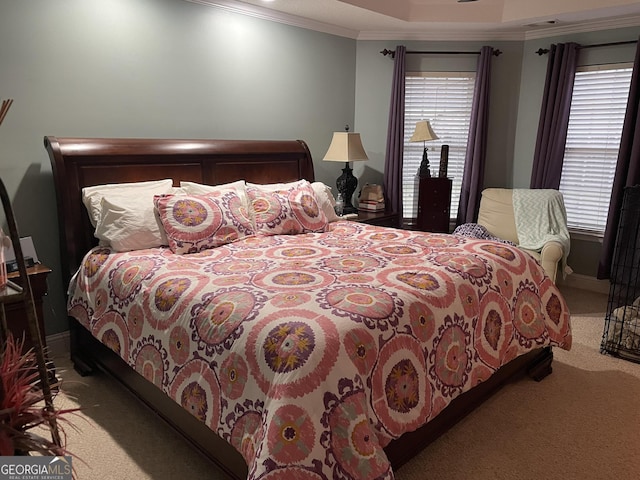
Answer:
(585, 236)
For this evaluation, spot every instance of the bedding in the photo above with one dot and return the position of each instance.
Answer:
(125, 228)
(289, 208)
(135, 194)
(309, 353)
(326, 200)
(196, 222)
(475, 230)
(123, 214)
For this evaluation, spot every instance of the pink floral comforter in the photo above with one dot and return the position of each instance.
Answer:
(309, 353)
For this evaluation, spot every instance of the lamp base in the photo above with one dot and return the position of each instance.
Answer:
(346, 185)
(423, 171)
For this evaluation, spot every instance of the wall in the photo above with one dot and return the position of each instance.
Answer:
(155, 68)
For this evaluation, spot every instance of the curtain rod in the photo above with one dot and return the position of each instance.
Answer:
(386, 52)
(544, 51)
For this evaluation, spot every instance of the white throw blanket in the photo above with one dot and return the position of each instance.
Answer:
(541, 217)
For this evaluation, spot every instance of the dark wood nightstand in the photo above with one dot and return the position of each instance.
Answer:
(434, 204)
(382, 219)
(15, 311)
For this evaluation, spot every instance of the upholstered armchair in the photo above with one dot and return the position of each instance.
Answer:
(539, 218)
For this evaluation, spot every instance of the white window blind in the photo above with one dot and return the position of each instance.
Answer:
(597, 114)
(445, 99)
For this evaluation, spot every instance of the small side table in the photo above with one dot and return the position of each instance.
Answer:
(382, 219)
(434, 204)
(15, 311)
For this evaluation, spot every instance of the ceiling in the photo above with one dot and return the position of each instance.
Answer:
(442, 19)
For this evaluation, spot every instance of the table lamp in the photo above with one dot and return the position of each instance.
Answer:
(423, 133)
(346, 147)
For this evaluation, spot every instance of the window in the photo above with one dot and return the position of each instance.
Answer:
(597, 114)
(445, 99)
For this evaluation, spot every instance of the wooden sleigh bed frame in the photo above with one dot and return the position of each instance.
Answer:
(81, 162)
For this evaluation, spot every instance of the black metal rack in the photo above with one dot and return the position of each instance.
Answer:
(621, 335)
(22, 293)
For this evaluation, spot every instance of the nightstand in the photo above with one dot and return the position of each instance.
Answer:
(434, 204)
(16, 312)
(382, 219)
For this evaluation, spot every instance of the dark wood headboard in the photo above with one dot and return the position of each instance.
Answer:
(83, 162)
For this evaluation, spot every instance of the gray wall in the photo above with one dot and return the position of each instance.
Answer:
(155, 68)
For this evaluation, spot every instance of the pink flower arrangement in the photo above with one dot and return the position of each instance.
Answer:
(22, 405)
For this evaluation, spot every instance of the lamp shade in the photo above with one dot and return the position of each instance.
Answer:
(423, 132)
(345, 147)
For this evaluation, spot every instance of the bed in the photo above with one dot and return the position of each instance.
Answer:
(337, 351)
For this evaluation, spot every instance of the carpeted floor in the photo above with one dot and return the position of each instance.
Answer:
(581, 422)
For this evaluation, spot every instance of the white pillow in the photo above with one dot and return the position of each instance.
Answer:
(122, 193)
(178, 191)
(129, 224)
(193, 188)
(325, 200)
(274, 187)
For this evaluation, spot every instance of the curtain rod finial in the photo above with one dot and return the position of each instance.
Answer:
(542, 51)
(497, 52)
(386, 52)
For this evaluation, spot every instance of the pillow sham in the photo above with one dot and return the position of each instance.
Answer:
(194, 223)
(285, 208)
(134, 193)
(125, 227)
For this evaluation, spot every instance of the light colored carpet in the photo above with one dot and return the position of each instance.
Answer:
(581, 422)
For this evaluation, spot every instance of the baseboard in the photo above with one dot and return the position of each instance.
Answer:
(585, 282)
(58, 344)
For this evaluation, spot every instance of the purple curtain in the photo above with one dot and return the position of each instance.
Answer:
(395, 135)
(554, 116)
(473, 175)
(627, 168)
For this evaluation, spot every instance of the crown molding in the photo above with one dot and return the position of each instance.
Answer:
(436, 35)
(584, 27)
(279, 17)
(458, 34)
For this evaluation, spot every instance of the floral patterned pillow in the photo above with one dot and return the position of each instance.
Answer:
(197, 222)
(285, 209)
